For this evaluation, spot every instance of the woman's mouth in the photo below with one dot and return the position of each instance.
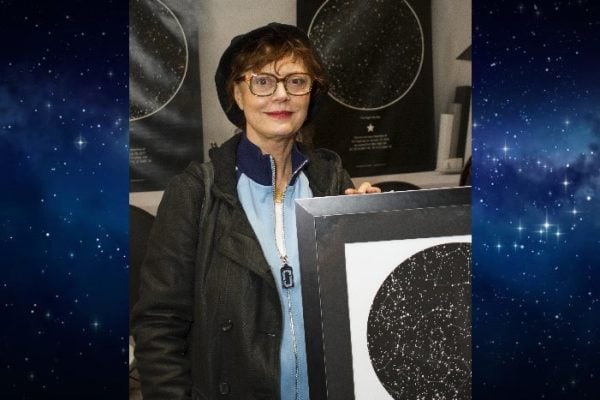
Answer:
(279, 114)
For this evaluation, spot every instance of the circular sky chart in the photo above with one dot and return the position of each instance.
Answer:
(373, 50)
(419, 326)
(158, 57)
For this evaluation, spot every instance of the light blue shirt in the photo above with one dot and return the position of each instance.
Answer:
(255, 191)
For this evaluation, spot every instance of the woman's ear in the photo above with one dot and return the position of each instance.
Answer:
(237, 95)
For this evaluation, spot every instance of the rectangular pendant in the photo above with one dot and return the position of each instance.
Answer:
(287, 277)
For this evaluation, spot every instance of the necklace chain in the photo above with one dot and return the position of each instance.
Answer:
(278, 195)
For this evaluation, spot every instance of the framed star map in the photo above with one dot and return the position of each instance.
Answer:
(386, 282)
(378, 114)
(165, 116)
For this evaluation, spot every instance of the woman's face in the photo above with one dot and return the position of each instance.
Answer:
(275, 117)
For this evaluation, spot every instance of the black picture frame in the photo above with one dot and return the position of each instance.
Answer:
(325, 225)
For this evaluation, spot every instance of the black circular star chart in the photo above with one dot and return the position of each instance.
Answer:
(373, 50)
(158, 57)
(418, 333)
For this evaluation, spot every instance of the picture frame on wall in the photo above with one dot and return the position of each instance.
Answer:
(386, 284)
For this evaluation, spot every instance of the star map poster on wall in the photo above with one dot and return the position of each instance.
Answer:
(417, 316)
(410, 302)
(378, 115)
(165, 117)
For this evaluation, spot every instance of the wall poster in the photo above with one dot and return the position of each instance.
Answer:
(165, 116)
(378, 115)
(386, 283)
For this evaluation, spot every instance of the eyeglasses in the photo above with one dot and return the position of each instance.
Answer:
(265, 84)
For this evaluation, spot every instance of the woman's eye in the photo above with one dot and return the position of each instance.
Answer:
(261, 81)
(299, 81)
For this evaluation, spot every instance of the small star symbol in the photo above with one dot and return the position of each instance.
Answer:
(370, 128)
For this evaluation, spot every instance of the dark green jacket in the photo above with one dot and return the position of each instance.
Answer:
(208, 321)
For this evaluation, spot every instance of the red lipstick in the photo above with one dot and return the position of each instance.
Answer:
(279, 114)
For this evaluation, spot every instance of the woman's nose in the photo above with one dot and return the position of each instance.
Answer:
(280, 92)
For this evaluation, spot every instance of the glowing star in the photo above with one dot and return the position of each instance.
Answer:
(80, 142)
(505, 149)
(546, 224)
(566, 183)
(574, 211)
(370, 128)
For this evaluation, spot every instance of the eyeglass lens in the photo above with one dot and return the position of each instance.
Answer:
(294, 84)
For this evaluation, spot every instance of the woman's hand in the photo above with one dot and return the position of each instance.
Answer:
(364, 187)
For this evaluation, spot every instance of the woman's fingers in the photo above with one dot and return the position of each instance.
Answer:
(364, 187)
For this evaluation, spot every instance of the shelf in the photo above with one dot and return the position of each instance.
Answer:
(425, 180)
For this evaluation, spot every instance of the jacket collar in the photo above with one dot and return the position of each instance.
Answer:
(224, 161)
(258, 166)
(318, 172)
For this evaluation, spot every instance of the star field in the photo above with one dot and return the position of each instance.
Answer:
(536, 200)
(63, 214)
(419, 330)
(368, 67)
(158, 53)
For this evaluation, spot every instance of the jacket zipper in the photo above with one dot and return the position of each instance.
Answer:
(287, 272)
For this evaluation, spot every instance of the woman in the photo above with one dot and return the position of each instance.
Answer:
(220, 308)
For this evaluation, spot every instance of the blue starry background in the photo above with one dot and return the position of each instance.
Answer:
(64, 180)
(63, 213)
(536, 202)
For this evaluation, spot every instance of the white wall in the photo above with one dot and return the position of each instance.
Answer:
(451, 35)
(220, 20)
